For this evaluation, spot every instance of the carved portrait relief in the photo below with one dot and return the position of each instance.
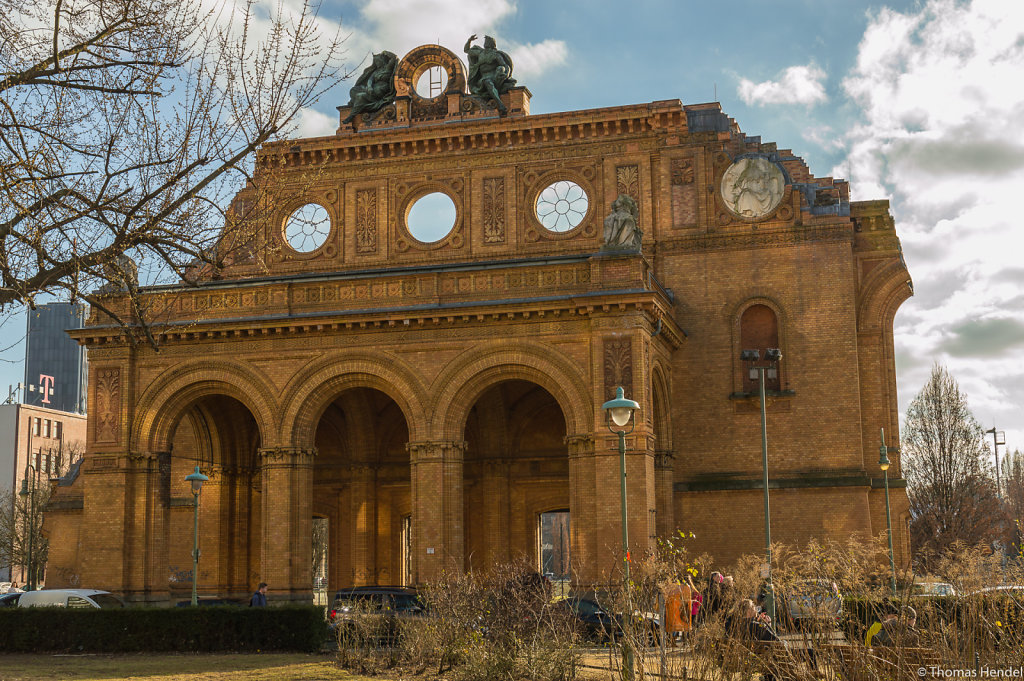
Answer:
(752, 187)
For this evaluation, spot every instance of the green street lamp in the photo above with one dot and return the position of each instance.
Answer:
(29, 497)
(758, 372)
(196, 479)
(618, 414)
(883, 463)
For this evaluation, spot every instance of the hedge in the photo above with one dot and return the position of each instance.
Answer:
(207, 629)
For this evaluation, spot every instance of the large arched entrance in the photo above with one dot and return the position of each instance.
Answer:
(220, 435)
(516, 478)
(361, 489)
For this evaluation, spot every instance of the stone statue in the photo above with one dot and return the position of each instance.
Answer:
(490, 71)
(620, 228)
(375, 88)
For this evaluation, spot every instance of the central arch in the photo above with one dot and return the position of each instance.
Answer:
(515, 470)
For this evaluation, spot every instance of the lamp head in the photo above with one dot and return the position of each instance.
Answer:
(773, 354)
(24, 488)
(750, 355)
(196, 479)
(883, 459)
(620, 410)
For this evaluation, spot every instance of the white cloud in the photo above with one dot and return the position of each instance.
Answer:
(796, 85)
(534, 59)
(941, 114)
(312, 123)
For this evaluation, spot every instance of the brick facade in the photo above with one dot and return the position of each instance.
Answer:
(431, 400)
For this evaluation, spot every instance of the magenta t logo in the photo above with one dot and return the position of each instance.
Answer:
(46, 387)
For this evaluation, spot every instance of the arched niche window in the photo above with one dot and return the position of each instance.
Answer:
(759, 330)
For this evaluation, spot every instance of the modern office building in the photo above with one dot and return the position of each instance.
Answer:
(56, 370)
(39, 444)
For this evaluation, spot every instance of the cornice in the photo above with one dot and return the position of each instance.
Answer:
(538, 130)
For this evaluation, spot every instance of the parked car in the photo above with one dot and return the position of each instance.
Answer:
(810, 603)
(69, 598)
(597, 624)
(933, 589)
(210, 602)
(376, 610)
(10, 600)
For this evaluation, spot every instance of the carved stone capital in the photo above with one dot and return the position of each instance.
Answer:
(147, 462)
(580, 444)
(664, 460)
(439, 451)
(286, 457)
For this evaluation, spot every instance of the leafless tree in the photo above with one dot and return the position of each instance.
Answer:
(21, 512)
(951, 489)
(1013, 498)
(127, 125)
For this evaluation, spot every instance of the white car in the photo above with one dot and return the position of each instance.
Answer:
(69, 598)
(933, 589)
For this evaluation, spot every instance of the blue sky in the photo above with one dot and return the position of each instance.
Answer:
(917, 102)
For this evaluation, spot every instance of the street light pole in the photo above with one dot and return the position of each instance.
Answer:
(619, 412)
(998, 438)
(883, 463)
(30, 498)
(196, 479)
(772, 355)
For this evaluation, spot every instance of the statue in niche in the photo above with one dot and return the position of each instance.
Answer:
(375, 88)
(620, 227)
(490, 71)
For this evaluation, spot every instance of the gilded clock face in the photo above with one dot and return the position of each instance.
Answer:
(752, 187)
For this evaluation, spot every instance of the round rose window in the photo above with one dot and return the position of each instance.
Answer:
(307, 228)
(562, 206)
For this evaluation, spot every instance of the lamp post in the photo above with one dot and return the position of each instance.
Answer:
(619, 413)
(29, 497)
(998, 438)
(196, 479)
(772, 356)
(883, 463)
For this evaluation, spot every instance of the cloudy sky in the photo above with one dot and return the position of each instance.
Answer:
(920, 102)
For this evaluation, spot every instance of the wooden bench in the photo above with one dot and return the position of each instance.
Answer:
(908, 659)
(764, 657)
(857, 663)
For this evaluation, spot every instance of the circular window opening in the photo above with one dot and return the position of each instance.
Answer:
(431, 82)
(431, 217)
(562, 206)
(307, 228)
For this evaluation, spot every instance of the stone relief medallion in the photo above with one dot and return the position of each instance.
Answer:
(752, 187)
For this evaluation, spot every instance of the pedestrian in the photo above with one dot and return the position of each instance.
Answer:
(899, 631)
(259, 597)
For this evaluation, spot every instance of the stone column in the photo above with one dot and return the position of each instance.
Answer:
(287, 523)
(581, 509)
(495, 487)
(664, 479)
(363, 496)
(437, 516)
(147, 506)
(213, 531)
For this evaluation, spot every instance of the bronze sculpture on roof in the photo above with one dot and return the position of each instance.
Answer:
(490, 71)
(375, 88)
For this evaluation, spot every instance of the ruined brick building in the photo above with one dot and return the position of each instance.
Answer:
(435, 395)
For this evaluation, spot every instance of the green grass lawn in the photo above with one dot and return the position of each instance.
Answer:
(175, 667)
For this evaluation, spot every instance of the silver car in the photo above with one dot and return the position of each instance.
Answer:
(69, 598)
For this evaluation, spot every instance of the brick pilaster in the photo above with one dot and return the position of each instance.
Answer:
(287, 477)
(437, 516)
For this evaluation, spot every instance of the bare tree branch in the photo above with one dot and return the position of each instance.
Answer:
(126, 129)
